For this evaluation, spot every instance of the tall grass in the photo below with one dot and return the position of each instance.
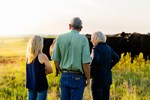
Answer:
(131, 81)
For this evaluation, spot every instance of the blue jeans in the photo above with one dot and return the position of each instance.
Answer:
(34, 95)
(72, 86)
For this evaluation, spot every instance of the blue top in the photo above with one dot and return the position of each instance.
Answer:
(35, 76)
(103, 59)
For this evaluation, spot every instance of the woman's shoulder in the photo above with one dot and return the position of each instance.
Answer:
(101, 46)
(41, 57)
(41, 54)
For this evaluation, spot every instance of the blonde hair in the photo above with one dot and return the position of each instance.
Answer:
(34, 47)
(98, 37)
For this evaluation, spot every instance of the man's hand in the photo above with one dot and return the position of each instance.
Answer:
(88, 82)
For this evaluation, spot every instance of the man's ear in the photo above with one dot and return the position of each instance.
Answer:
(70, 26)
(80, 28)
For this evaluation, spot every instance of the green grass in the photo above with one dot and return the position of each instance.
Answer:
(130, 81)
(13, 46)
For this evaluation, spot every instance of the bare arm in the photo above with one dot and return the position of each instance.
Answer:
(86, 69)
(44, 59)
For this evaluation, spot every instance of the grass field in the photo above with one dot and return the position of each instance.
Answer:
(130, 81)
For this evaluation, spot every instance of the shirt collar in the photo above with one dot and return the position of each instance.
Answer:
(74, 31)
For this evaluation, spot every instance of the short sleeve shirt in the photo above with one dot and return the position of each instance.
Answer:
(71, 50)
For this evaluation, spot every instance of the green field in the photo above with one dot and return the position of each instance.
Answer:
(130, 81)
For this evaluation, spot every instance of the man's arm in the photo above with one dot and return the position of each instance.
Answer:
(57, 65)
(86, 68)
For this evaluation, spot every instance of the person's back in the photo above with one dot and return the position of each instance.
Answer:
(36, 77)
(105, 57)
(71, 55)
(71, 45)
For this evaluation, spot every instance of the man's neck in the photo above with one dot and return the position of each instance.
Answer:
(76, 30)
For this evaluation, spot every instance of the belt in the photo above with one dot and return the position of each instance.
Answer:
(71, 71)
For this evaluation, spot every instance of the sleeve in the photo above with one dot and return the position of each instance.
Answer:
(115, 58)
(56, 55)
(86, 52)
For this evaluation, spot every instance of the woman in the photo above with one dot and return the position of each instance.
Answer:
(37, 67)
(103, 59)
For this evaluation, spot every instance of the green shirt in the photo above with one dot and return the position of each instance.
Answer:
(71, 50)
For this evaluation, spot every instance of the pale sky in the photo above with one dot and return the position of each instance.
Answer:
(19, 17)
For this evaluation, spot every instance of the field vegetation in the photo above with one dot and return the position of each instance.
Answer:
(131, 81)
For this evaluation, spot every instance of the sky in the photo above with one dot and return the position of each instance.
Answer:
(23, 17)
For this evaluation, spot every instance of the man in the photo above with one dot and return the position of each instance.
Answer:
(72, 57)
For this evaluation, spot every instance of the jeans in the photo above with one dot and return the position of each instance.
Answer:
(34, 95)
(72, 86)
(100, 92)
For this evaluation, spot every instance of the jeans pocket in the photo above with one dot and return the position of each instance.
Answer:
(77, 81)
(72, 80)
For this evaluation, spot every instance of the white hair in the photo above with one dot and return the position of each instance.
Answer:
(98, 37)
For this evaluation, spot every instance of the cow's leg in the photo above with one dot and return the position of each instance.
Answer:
(125, 53)
(145, 56)
(57, 71)
(132, 57)
(148, 58)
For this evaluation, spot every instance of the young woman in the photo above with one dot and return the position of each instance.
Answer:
(37, 67)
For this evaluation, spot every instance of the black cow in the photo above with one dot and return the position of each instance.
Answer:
(139, 43)
(118, 42)
(88, 36)
(146, 47)
(46, 49)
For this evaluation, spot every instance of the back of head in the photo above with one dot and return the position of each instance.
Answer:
(98, 37)
(35, 46)
(76, 23)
